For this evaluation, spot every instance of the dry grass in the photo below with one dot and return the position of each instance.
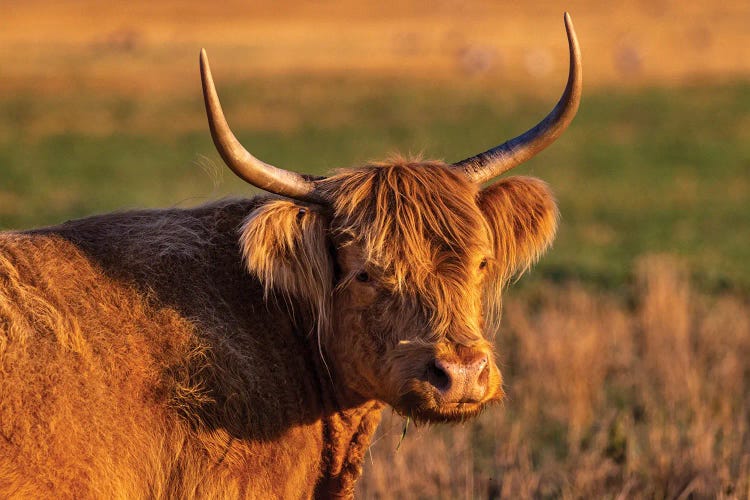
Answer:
(607, 399)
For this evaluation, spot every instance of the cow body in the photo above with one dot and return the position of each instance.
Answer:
(138, 358)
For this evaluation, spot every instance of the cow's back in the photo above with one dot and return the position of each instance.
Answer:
(138, 359)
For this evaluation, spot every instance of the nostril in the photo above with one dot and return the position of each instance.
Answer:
(438, 376)
(484, 374)
(482, 363)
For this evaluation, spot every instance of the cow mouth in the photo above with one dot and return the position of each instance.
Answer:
(450, 412)
(424, 408)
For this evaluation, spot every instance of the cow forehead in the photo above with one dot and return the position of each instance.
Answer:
(415, 222)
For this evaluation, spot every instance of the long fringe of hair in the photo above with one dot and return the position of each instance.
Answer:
(423, 230)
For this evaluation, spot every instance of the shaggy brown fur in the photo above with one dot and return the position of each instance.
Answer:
(141, 356)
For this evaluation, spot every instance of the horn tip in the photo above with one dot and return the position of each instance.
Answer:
(205, 69)
(575, 50)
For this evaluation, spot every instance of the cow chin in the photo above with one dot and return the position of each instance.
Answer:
(447, 413)
(422, 406)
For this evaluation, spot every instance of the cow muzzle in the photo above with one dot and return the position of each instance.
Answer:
(459, 379)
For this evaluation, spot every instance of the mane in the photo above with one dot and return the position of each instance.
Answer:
(423, 229)
(419, 225)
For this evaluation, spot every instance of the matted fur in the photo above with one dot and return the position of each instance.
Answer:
(142, 364)
(167, 353)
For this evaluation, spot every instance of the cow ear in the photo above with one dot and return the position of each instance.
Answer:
(522, 215)
(284, 244)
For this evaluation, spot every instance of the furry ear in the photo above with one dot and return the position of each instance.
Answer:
(522, 215)
(285, 245)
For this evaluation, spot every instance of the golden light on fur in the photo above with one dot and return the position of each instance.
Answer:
(408, 294)
(246, 348)
(203, 352)
(422, 234)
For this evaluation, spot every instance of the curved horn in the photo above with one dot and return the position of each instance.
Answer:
(491, 163)
(242, 163)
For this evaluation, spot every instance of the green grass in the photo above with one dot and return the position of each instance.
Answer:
(639, 171)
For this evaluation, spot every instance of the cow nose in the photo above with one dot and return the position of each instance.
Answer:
(459, 382)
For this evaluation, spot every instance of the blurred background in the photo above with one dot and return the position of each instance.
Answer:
(626, 351)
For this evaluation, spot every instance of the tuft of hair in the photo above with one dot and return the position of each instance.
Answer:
(284, 245)
(423, 227)
(405, 214)
(418, 224)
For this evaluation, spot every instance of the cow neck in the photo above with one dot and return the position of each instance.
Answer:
(348, 423)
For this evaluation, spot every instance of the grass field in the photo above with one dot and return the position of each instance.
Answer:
(626, 351)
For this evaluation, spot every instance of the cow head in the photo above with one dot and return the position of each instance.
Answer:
(399, 265)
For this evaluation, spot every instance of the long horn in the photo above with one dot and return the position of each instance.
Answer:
(493, 162)
(242, 163)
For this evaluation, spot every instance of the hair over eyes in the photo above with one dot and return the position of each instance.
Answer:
(422, 227)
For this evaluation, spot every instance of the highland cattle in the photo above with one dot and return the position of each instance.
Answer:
(246, 348)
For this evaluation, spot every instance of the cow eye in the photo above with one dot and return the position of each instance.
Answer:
(363, 277)
(483, 264)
